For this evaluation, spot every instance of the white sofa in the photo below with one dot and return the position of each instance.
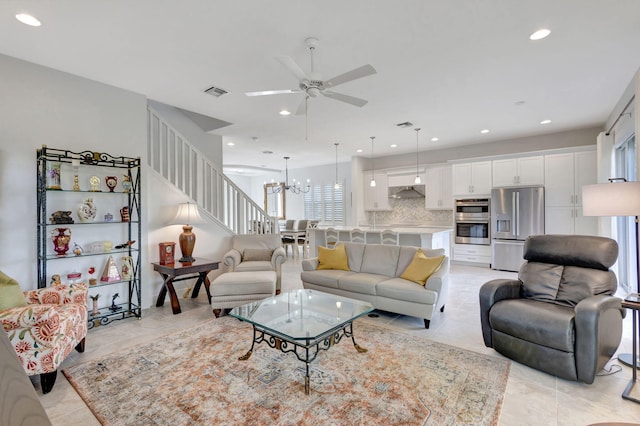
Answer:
(374, 277)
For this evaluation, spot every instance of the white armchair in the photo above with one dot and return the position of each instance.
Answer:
(257, 252)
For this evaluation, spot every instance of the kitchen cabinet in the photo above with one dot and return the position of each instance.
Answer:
(470, 179)
(439, 193)
(565, 174)
(522, 171)
(472, 253)
(408, 179)
(376, 198)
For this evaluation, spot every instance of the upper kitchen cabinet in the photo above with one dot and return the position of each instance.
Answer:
(376, 198)
(565, 174)
(471, 179)
(439, 194)
(522, 171)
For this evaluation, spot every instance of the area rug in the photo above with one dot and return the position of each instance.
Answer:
(195, 378)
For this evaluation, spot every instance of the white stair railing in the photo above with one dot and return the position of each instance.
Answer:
(185, 167)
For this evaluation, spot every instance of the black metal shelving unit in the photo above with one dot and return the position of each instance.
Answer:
(101, 162)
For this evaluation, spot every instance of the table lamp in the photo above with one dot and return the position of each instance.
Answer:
(616, 198)
(188, 215)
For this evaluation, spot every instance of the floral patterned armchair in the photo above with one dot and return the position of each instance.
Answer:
(46, 330)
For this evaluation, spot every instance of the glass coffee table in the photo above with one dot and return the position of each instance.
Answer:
(304, 322)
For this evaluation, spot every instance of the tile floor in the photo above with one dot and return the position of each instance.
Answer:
(531, 398)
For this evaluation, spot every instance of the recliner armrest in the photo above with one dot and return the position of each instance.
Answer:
(492, 292)
(232, 258)
(598, 325)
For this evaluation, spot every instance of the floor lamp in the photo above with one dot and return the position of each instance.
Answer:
(616, 198)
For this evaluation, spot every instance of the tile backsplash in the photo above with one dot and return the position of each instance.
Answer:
(412, 211)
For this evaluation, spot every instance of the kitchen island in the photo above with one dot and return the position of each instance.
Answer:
(430, 237)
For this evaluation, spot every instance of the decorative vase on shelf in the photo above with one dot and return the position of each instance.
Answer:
(111, 182)
(53, 175)
(127, 266)
(61, 238)
(87, 211)
(126, 183)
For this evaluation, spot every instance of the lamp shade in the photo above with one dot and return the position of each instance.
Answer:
(188, 214)
(611, 199)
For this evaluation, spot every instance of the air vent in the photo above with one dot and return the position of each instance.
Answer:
(215, 91)
(405, 124)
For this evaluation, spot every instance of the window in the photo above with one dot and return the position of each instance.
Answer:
(325, 203)
(625, 166)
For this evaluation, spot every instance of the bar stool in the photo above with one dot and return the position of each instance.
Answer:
(357, 236)
(331, 237)
(389, 237)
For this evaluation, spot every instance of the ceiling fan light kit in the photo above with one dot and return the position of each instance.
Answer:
(312, 84)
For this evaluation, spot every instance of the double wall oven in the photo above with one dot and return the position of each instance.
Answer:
(473, 216)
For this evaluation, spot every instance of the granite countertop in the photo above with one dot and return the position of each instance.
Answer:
(400, 228)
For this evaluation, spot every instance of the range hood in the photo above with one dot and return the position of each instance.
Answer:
(403, 192)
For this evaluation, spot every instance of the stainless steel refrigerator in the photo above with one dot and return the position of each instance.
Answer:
(516, 213)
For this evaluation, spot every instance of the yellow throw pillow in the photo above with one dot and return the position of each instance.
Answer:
(335, 258)
(11, 295)
(422, 267)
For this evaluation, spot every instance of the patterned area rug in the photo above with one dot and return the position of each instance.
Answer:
(195, 378)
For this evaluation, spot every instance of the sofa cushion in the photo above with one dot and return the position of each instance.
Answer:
(355, 252)
(326, 278)
(361, 282)
(422, 267)
(251, 254)
(380, 259)
(11, 295)
(254, 265)
(525, 318)
(335, 258)
(408, 291)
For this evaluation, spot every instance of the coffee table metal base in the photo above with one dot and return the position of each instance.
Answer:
(305, 350)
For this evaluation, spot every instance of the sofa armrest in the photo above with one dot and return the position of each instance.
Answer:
(24, 317)
(598, 332)
(58, 295)
(278, 257)
(232, 258)
(439, 282)
(492, 292)
(310, 264)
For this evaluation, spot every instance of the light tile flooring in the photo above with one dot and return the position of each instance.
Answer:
(532, 397)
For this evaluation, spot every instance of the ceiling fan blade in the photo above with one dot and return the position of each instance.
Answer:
(293, 68)
(354, 74)
(344, 98)
(302, 108)
(272, 92)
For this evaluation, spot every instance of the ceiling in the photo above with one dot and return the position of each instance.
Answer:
(450, 67)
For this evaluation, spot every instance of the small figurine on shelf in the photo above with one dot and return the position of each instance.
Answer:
(126, 183)
(77, 249)
(114, 307)
(92, 279)
(95, 310)
(124, 214)
(55, 280)
(125, 245)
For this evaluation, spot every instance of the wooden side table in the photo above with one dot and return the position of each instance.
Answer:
(170, 273)
(633, 303)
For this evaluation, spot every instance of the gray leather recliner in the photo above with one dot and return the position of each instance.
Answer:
(559, 316)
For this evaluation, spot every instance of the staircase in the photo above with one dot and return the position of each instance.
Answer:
(187, 169)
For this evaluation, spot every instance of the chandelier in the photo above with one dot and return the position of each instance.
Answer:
(296, 187)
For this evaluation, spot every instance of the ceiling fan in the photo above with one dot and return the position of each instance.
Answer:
(313, 86)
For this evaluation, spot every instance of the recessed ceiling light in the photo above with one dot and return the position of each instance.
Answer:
(484, 131)
(27, 19)
(285, 112)
(540, 34)
(358, 150)
(545, 122)
(434, 139)
(394, 145)
(230, 144)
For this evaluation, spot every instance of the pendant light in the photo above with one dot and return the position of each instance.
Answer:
(337, 185)
(417, 180)
(373, 168)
